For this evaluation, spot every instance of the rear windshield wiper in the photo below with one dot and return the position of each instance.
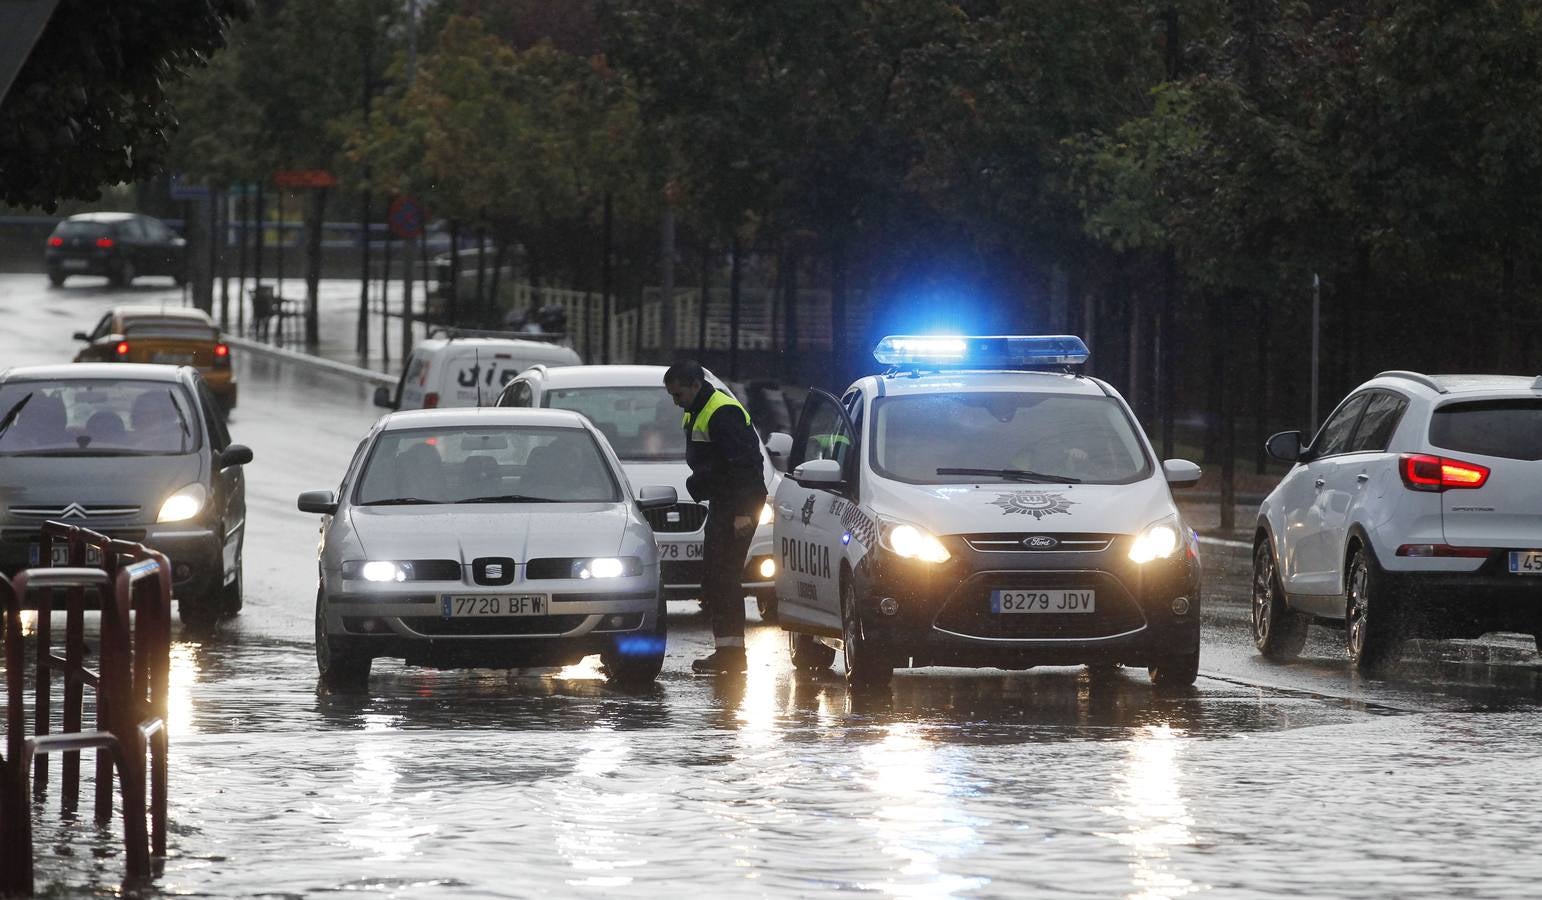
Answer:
(399, 501)
(1014, 475)
(508, 498)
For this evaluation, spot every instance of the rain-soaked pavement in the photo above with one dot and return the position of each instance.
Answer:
(1265, 780)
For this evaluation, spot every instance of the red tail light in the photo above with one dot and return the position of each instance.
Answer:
(1422, 472)
(56, 242)
(104, 242)
(221, 356)
(430, 401)
(122, 349)
(1443, 550)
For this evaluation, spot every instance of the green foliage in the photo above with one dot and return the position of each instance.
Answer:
(89, 108)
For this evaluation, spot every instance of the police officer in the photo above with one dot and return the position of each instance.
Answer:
(723, 452)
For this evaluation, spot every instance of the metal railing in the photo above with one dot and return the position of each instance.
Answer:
(131, 684)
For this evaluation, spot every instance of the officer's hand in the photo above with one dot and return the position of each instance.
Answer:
(743, 524)
(693, 486)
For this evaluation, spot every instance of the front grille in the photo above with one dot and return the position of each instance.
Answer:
(680, 572)
(493, 625)
(968, 610)
(682, 518)
(1065, 542)
(66, 512)
(435, 570)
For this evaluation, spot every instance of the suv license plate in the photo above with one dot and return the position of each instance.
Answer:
(1526, 562)
(459, 606)
(1045, 602)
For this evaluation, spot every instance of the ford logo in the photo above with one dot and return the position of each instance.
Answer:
(1040, 542)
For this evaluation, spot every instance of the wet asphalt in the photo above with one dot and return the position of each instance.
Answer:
(1299, 780)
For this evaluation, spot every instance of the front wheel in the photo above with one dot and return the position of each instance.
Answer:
(339, 665)
(1279, 632)
(199, 613)
(1373, 624)
(867, 663)
(634, 660)
(1178, 672)
(232, 596)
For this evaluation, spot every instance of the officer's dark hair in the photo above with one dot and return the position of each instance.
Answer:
(686, 371)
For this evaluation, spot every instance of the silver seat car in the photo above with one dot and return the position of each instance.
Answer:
(498, 538)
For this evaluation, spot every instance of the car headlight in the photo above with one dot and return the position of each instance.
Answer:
(1158, 541)
(765, 514)
(186, 503)
(914, 542)
(607, 567)
(380, 570)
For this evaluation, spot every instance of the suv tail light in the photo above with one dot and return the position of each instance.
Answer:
(104, 242)
(430, 401)
(221, 356)
(1422, 472)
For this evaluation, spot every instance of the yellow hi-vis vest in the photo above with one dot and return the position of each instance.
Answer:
(697, 430)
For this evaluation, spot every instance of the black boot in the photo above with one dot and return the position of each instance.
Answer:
(723, 661)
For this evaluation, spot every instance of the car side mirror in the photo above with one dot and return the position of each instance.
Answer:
(656, 496)
(383, 397)
(1180, 473)
(320, 502)
(779, 448)
(82, 336)
(235, 455)
(820, 473)
(1286, 446)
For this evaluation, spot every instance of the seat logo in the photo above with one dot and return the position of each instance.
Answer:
(1040, 542)
(494, 570)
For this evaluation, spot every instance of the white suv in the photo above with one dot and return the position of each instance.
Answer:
(1415, 512)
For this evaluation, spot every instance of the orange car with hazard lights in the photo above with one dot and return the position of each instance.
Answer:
(175, 336)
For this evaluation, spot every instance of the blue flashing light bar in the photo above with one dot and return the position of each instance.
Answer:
(1000, 351)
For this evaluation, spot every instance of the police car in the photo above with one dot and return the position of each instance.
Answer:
(982, 504)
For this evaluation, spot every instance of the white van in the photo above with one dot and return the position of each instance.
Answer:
(467, 368)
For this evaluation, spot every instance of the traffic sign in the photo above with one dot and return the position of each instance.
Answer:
(182, 189)
(304, 178)
(406, 217)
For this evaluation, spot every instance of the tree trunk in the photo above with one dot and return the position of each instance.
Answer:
(243, 210)
(222, 238)
(313, 228)
(484, 307)
(1169, 347)
(452, 293)
(1263, 378)
(257, 247)
(790, 315)
(608, 224)
(409, 250)
(735, 280)
(666, 284)
(361, 334)
(701, 308)
(1228, 423)
(385, 296)
(838, 362)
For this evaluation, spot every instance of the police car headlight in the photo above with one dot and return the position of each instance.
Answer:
(1158, 541)
(607, 567)
(914, 542)
(184, 504)
(765, 514)
(378, 570)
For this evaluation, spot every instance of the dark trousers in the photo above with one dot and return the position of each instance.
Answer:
(723, 552)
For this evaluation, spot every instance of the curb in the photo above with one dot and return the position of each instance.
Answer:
(369, 376)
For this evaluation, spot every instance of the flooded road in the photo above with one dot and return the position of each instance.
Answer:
(1265, 780)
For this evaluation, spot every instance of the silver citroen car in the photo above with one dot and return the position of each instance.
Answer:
(496, 538)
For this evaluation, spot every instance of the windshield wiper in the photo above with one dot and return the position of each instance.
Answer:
(186, 435)
(399, 501)
(12, 413)
(508, 498)
(1014, 475)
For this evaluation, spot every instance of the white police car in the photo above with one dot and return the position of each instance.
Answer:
(980, 504)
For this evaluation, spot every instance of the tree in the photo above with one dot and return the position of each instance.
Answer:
(90, 106)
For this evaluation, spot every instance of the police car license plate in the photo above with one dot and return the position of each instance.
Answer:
(1526, 562)
(459, 606)
(59, 555)
(680, 550)
(1048, 602)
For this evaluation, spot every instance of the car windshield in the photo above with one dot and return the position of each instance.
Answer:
(482, 464)
(177, 329)
(96, 417)
(1003, 436)
(641, 423)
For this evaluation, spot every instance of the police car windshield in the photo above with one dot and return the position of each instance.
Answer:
(992, 436)
(485, 465)
(641, 423)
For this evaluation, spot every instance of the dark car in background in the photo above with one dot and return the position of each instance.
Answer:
(136, 452)
(121, 246)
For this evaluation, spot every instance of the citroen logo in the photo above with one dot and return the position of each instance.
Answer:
(73, 511)
(1040, 542)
